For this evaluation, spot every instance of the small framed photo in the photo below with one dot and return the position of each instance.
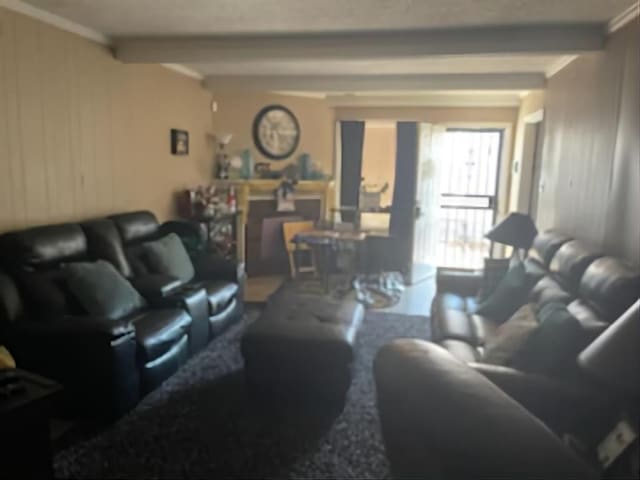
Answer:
(179, 142)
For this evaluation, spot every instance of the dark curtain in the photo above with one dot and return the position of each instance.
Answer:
(404, 193)
(352, 138)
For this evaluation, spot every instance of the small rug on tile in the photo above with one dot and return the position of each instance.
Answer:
(201, 423)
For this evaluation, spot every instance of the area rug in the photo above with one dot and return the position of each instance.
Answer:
(201, 423)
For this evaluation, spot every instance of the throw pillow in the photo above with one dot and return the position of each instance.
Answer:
(510, 336)
(167, 256)
(510, 294)
(555, 345)
(101, 290)
(492, 274)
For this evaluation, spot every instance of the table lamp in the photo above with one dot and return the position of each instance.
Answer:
(517, 230)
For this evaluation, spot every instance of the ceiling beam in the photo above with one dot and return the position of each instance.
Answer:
(364, 83)
(566, 39)
(450, 99)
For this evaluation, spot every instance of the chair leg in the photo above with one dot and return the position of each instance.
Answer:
(292, 264)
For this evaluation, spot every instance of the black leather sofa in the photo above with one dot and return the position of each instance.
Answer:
(451, 415)
(105, 365)
(222, 280)
(596, 289)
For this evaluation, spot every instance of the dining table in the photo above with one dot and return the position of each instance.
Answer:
(327, 241)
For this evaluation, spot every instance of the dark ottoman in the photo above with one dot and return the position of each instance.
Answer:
(301, 347)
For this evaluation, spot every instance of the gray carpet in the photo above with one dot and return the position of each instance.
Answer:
(201, 423)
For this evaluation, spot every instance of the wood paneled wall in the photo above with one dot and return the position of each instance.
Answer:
(591, 154)
(83, 135)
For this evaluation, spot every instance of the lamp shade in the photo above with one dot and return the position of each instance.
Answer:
(516, 230)
(223, 138)
(614, 357)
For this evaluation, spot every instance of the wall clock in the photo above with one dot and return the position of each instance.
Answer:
(276, 132)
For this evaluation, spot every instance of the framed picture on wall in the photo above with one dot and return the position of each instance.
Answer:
(179, 142)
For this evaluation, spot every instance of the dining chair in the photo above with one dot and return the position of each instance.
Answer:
(289, 231)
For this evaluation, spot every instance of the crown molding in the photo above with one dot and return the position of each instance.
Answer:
(559, 65)
(176, 67)
(55, 21)
(623, 18)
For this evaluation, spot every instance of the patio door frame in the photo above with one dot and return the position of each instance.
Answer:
(500, 209)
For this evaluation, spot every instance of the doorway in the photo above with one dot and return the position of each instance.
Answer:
(468, 184)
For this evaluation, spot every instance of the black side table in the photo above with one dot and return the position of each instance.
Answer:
(26, 402)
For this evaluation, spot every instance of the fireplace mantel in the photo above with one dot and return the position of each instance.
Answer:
(248, 190)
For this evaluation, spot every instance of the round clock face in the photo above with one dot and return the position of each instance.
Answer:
(276, 132)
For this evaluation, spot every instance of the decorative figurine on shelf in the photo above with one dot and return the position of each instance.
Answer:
(285, 197)
(247, 164)
(232, 202)
(207, 201)
(222, 159)
(309, 170)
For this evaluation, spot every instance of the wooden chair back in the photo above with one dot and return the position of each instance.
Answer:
(291, 229)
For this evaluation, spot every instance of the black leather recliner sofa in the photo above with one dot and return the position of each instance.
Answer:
(106, 365)
(446, 413)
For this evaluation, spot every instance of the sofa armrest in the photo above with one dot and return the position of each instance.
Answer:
(464, 283)
(75, 327)
(153, 287)
(215, 267)
(442, 419)
(558, 403)
(94, 359)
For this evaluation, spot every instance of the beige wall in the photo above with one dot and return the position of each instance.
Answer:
(591, 154)
(83, 135)
(379, 156)
(522, 166)
(237, 110)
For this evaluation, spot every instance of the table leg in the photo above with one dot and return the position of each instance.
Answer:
(325, 261)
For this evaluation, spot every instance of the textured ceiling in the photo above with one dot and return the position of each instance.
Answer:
(219, 17)
(428, 65)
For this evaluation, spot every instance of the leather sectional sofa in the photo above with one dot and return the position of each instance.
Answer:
(107, 365)
(492, 420)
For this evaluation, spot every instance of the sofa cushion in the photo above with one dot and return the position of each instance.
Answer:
(549, 290)
(167, 256)
(546, 244)
(610, 286)
(461, 350)
(456, 324)
(554, 346)
(157, 331)
(44, 246)
(484, 328)
(220, 294)
(509, 295)
(589, 320)
(101, 290)
(511, 336)
(570, 262)
(136, 226)
(453, 301)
